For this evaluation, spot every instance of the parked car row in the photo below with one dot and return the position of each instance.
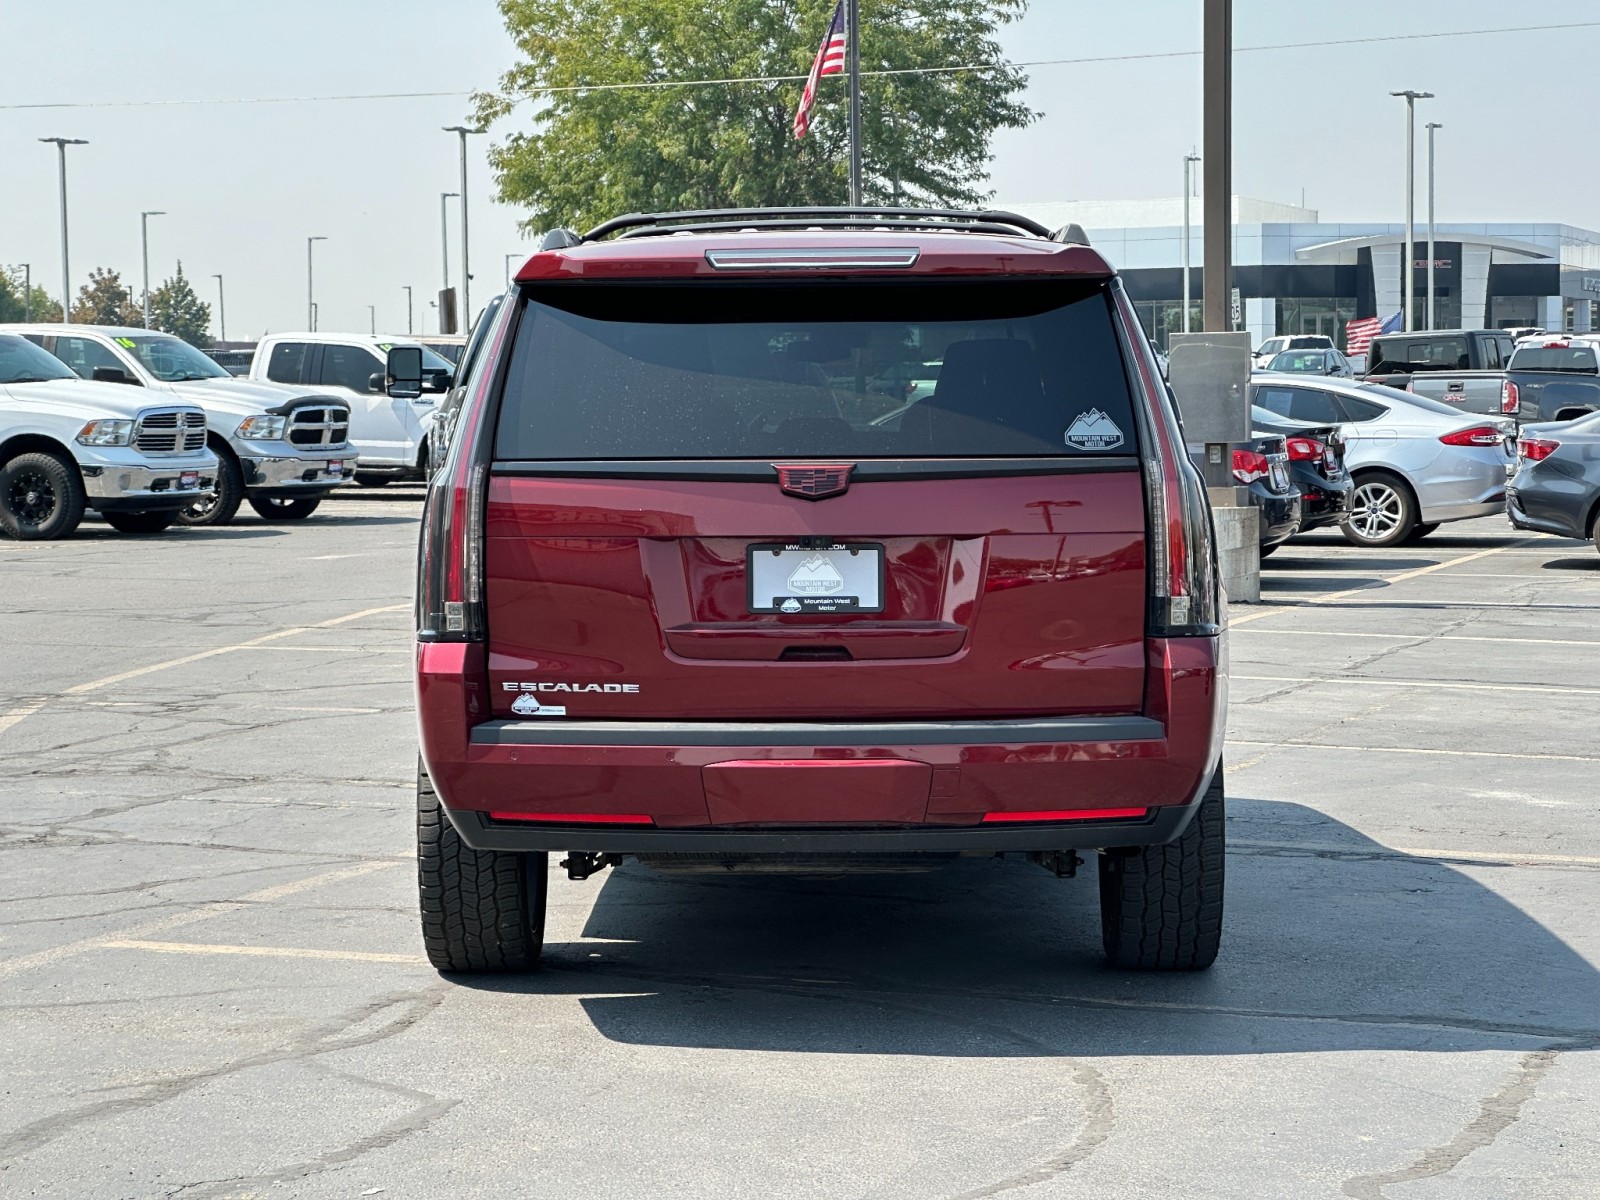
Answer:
(313, 414)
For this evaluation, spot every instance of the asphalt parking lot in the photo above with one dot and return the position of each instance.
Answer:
(212, 985)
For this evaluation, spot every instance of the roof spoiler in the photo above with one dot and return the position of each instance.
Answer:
(1072, 234)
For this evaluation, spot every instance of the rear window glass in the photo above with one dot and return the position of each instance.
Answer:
(1399, 355)
(1576, 360)
(868, 370)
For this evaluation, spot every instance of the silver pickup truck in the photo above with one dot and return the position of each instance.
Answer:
(1464, 368)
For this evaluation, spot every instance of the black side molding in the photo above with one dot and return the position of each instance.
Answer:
(794, 733)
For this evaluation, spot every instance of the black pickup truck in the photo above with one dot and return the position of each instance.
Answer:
(1464, 368)
(1554, 378)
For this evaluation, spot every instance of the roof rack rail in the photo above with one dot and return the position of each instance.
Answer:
(956, 220)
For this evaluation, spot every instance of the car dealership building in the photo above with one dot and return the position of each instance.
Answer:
(1298, 274)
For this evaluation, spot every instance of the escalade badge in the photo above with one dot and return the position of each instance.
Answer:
(814, 482)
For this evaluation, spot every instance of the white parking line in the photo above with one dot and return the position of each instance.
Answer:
(1491, 857)
(1425, 750)
(1383, 581)
(54, 954)
(369, 956)
(18, 714)
(1445, 685)
(1413, 637)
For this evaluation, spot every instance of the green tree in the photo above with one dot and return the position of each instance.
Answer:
(590, 155)
(175, 309)
(13, 305)
(104, 301)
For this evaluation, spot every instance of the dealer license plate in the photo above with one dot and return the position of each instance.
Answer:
(827, 577)
(188, 479)
(334, 468)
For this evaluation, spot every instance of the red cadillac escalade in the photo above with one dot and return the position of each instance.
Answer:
(817, 539)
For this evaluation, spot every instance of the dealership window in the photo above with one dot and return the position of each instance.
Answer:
(1316, 314)
(1162, 318)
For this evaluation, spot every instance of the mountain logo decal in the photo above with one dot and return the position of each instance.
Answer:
(1094, 430)
(816, 576)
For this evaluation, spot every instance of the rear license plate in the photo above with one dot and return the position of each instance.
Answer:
(1280, 477)
(788, 577)
(188, 479)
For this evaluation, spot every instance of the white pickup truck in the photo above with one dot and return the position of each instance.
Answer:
(391, 433)
(281, 449)
(67, 446)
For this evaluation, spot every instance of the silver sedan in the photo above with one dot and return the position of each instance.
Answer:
(1416, 462)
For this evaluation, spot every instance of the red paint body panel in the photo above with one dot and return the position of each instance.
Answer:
(667, 782)
(1005, 597)
(683, 256)
(873, 791)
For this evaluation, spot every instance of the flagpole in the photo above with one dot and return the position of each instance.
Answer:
(853, 50)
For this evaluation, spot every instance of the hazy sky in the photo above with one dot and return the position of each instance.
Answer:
(245, 184)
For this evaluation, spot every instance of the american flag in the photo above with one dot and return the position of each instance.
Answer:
(830, 61)
(1358, 335)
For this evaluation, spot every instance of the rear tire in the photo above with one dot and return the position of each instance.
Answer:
(1594, 530)
(372, 481)
(41, 497)
(272, 508)
(1161, 906)
(1267, 551)
(220, 508)
(142, 522)
(1383, 512)
(1422, 531)
(482, 910)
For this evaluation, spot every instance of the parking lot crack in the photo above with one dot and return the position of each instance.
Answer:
(1496, 1114)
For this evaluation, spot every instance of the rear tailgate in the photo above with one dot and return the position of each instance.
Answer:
(699, 508)
(1469, 391)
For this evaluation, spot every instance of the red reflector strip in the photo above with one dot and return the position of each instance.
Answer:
(1069, 814)
(576, 818)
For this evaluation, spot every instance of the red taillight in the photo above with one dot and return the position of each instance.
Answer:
(1478, 435)
(1248, 466)
(1183, 584)
(1536, 449)
(450, 559)
(1069, 814)
(1307, 450)
(1510, 397)
(576, 818)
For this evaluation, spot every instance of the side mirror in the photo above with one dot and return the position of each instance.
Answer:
(377, 382)
(403, 372)
(111, 375)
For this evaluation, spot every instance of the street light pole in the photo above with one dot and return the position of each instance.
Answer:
(27, 292)
(144, 243)
(311, 304)
(509, 257)
(1432, 322)
(372, 318)
(1188, 188)
(222, 312)
(466, 260)
(1217, 204)
(61, 145)
(407, 287)
(444, 235)
(1408, 275)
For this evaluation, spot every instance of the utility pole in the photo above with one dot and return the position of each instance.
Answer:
(61, 145)
(853, 58)
(407, 287)
(509, 257)
(222, 312)
(1409, 273)
(1217, 205)
(27, 292)
(372, 318)
(444, 235)
(1432, 315)
(311, 304)
(466, 260)
(144, 243)
(1188, 189)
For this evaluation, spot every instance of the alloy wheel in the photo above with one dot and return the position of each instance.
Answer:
(32, 497)
(1376, 511)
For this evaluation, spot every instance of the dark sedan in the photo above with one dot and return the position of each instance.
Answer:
(1316, 467)
(1261, 467)
(1557, 485)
